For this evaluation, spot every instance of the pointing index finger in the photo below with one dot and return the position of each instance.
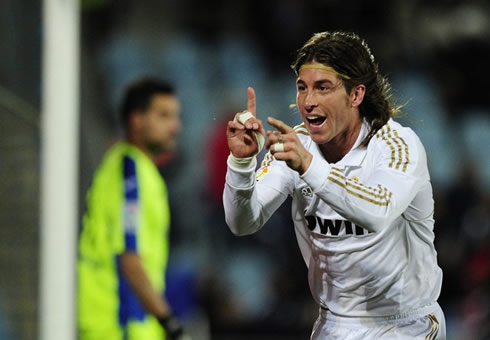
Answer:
(280, 125)
(251, 104)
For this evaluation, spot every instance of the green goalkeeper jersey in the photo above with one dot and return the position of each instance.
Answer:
(127, 210)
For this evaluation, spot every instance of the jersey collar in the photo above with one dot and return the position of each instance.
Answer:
(356, 155)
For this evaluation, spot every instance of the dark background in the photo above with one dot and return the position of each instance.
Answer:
(435, 53)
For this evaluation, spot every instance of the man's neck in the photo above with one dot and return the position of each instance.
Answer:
(141, 147)
(338, 147)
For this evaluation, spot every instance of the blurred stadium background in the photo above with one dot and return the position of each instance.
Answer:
(436, 54)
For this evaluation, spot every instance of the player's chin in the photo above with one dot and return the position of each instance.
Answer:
(162, 147)
(169, 146)
(319, 138)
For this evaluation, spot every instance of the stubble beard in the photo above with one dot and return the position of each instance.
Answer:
(157, 148)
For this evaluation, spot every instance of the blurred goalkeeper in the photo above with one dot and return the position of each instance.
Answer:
(361, 192)
(124, 246)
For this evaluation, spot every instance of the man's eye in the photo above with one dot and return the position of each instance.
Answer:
(301, 88)
(324, 88)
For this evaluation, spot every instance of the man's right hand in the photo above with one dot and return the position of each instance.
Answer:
(241, 135)
(173, 328)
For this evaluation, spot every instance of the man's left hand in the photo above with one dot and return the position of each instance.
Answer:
(285, 145)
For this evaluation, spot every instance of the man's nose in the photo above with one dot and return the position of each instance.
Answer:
(310, 100)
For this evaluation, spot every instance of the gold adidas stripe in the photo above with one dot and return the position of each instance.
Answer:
(407, 156)
(383, 137)
(268, 158)
(393, 134)
(300, 126)
(434, 327)
(301, 129)
(342, 184)
(381, 131)
(379, 192)
(375, 192)
(399, 156)
(398, 148)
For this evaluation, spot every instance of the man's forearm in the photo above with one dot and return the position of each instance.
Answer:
(134, 273)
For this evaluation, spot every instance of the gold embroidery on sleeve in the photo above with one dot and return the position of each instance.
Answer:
(407, 157)
(399, 156)
(379, 196)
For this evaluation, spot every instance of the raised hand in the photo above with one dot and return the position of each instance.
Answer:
(285, 146)
(244, 134)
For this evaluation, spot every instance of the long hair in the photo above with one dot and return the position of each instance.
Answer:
(352, 59)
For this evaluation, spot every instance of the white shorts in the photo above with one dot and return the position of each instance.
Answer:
(428, 323)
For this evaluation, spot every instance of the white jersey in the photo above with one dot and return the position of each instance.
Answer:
(364, 224)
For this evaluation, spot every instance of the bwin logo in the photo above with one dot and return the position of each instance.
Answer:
(335, 227)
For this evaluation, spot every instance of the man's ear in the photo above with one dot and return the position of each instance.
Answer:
(135, 121)
(357, 95)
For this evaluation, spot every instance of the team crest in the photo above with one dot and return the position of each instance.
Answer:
(307, 192)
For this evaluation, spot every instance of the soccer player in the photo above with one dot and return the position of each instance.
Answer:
(123, 248)
(362, 200)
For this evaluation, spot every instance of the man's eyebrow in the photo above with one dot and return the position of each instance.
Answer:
(322, 81)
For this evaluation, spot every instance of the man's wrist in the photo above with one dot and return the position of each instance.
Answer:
(242, 163)
(306, 164)
(172, 326)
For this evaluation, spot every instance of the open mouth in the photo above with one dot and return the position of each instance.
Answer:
(316, 120)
